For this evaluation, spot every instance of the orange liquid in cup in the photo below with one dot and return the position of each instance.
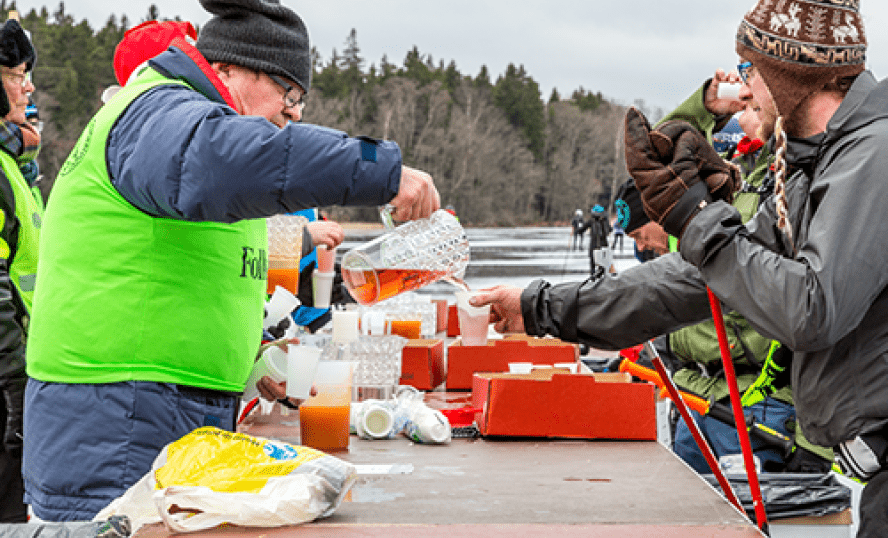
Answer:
(408, 328)
(362, 283)
(287, 278)
(324, 427)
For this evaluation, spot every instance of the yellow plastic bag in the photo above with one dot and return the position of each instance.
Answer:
(211, 477)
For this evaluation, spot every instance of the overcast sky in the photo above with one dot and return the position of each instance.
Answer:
(656, 50)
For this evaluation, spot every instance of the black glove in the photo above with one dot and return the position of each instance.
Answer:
(675, 169)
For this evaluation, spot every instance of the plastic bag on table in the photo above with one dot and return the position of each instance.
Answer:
(211, 477)
(792, 495)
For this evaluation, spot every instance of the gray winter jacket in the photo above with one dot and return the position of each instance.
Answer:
(827, 300)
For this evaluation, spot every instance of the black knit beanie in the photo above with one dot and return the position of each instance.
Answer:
(262, 35)
(630, 211)
(15, 49)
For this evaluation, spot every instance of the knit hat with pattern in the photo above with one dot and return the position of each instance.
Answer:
(798, 46)
(262, 35)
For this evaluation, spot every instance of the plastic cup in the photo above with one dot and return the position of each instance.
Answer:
(284, 251)
(324, 418)
(345, 326)
(473, 320)
(281, 304)
(728, 90)
(326, 258)
(322, 287)
(408, 328)
(520, 367)
(302, 364)
(272, 363)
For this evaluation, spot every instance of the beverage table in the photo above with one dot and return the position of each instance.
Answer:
(509, 488)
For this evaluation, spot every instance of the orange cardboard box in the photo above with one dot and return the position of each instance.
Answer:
(422, 364)
(441, 315)
(555, 403)
(464, 361)
(452, 321)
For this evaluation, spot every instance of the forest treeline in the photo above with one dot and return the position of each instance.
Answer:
(499, 153)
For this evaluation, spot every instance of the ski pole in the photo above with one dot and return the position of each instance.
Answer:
(692, 426)
(739, 418)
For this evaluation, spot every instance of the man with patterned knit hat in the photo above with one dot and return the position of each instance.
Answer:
(149, 313)
(808, 270)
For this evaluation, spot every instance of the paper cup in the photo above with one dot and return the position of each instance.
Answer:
(272, 363)
(281, 304)
(302, 364)
(322, 287)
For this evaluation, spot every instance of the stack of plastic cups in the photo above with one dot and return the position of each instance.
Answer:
(322, 278)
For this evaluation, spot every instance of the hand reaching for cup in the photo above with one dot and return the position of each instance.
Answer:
(274, 391)
(505, 307)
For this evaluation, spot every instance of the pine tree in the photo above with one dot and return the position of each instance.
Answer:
(519, 96)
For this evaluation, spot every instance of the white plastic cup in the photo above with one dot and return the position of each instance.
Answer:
(520, 367)
(281, 304)
(375, 421)
(272, 363)
(474, 321)
(302, 364)
(326, 258)
(322, 287)
(345, 326)
(728, 90)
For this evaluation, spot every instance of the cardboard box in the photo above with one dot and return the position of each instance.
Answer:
(452, 321)
(554, 403)
(441, 315)
(422, 364)
(464, 361)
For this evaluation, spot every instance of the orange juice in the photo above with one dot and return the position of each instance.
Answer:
(324, 427)
(408, 328)
(287, 278)
(362, 283)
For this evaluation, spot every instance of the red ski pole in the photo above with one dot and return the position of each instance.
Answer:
(674, 394)
(739, 417)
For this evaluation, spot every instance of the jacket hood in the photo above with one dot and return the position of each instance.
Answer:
(864, 104)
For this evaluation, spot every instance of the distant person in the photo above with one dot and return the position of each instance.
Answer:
(22, 212)
(618, 236)
(578, 226)
(148, 317)
(599, 249)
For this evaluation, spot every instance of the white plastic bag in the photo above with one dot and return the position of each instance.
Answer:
(211, 476)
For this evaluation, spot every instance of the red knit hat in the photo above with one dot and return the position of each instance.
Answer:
(798, 46)
(146, 41)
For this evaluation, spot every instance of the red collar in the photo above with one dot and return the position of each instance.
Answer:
(748, 145)
(182, 44)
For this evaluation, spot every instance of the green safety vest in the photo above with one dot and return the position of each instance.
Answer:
(126, 296)
(29, 212)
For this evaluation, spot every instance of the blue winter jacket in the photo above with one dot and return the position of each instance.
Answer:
(212, 164)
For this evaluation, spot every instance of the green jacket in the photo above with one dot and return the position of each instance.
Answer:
(698, 344)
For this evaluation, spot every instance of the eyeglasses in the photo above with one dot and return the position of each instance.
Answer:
(23, 78)
(746, 70)
(289, 100)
